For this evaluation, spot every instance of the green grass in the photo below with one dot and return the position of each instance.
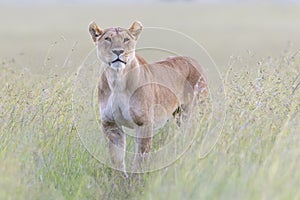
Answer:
(256, 156)
(41, 154)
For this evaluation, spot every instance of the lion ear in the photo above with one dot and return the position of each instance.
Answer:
(95, 31)
(136, 29)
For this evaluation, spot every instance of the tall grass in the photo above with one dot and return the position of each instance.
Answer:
(256, 157)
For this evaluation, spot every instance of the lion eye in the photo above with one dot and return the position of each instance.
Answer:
(126, 39)
(107, 39)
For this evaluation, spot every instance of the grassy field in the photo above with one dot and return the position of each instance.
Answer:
(256, 157)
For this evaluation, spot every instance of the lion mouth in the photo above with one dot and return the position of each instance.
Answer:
(118, 60)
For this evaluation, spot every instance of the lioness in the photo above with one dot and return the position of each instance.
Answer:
(138, 95)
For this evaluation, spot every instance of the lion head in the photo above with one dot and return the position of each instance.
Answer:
(116, 46)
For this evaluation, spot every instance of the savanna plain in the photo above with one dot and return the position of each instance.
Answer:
(256, 155)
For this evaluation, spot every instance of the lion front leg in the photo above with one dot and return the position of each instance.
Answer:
(143, 146)
(116, 144)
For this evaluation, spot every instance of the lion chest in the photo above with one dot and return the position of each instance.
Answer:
(117, 109)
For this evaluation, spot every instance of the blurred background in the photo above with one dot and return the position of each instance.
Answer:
(38, 33)
(257, 154)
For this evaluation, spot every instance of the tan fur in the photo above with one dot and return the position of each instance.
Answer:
(138, 95)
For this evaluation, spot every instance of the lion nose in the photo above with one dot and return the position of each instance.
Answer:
(118, 51)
